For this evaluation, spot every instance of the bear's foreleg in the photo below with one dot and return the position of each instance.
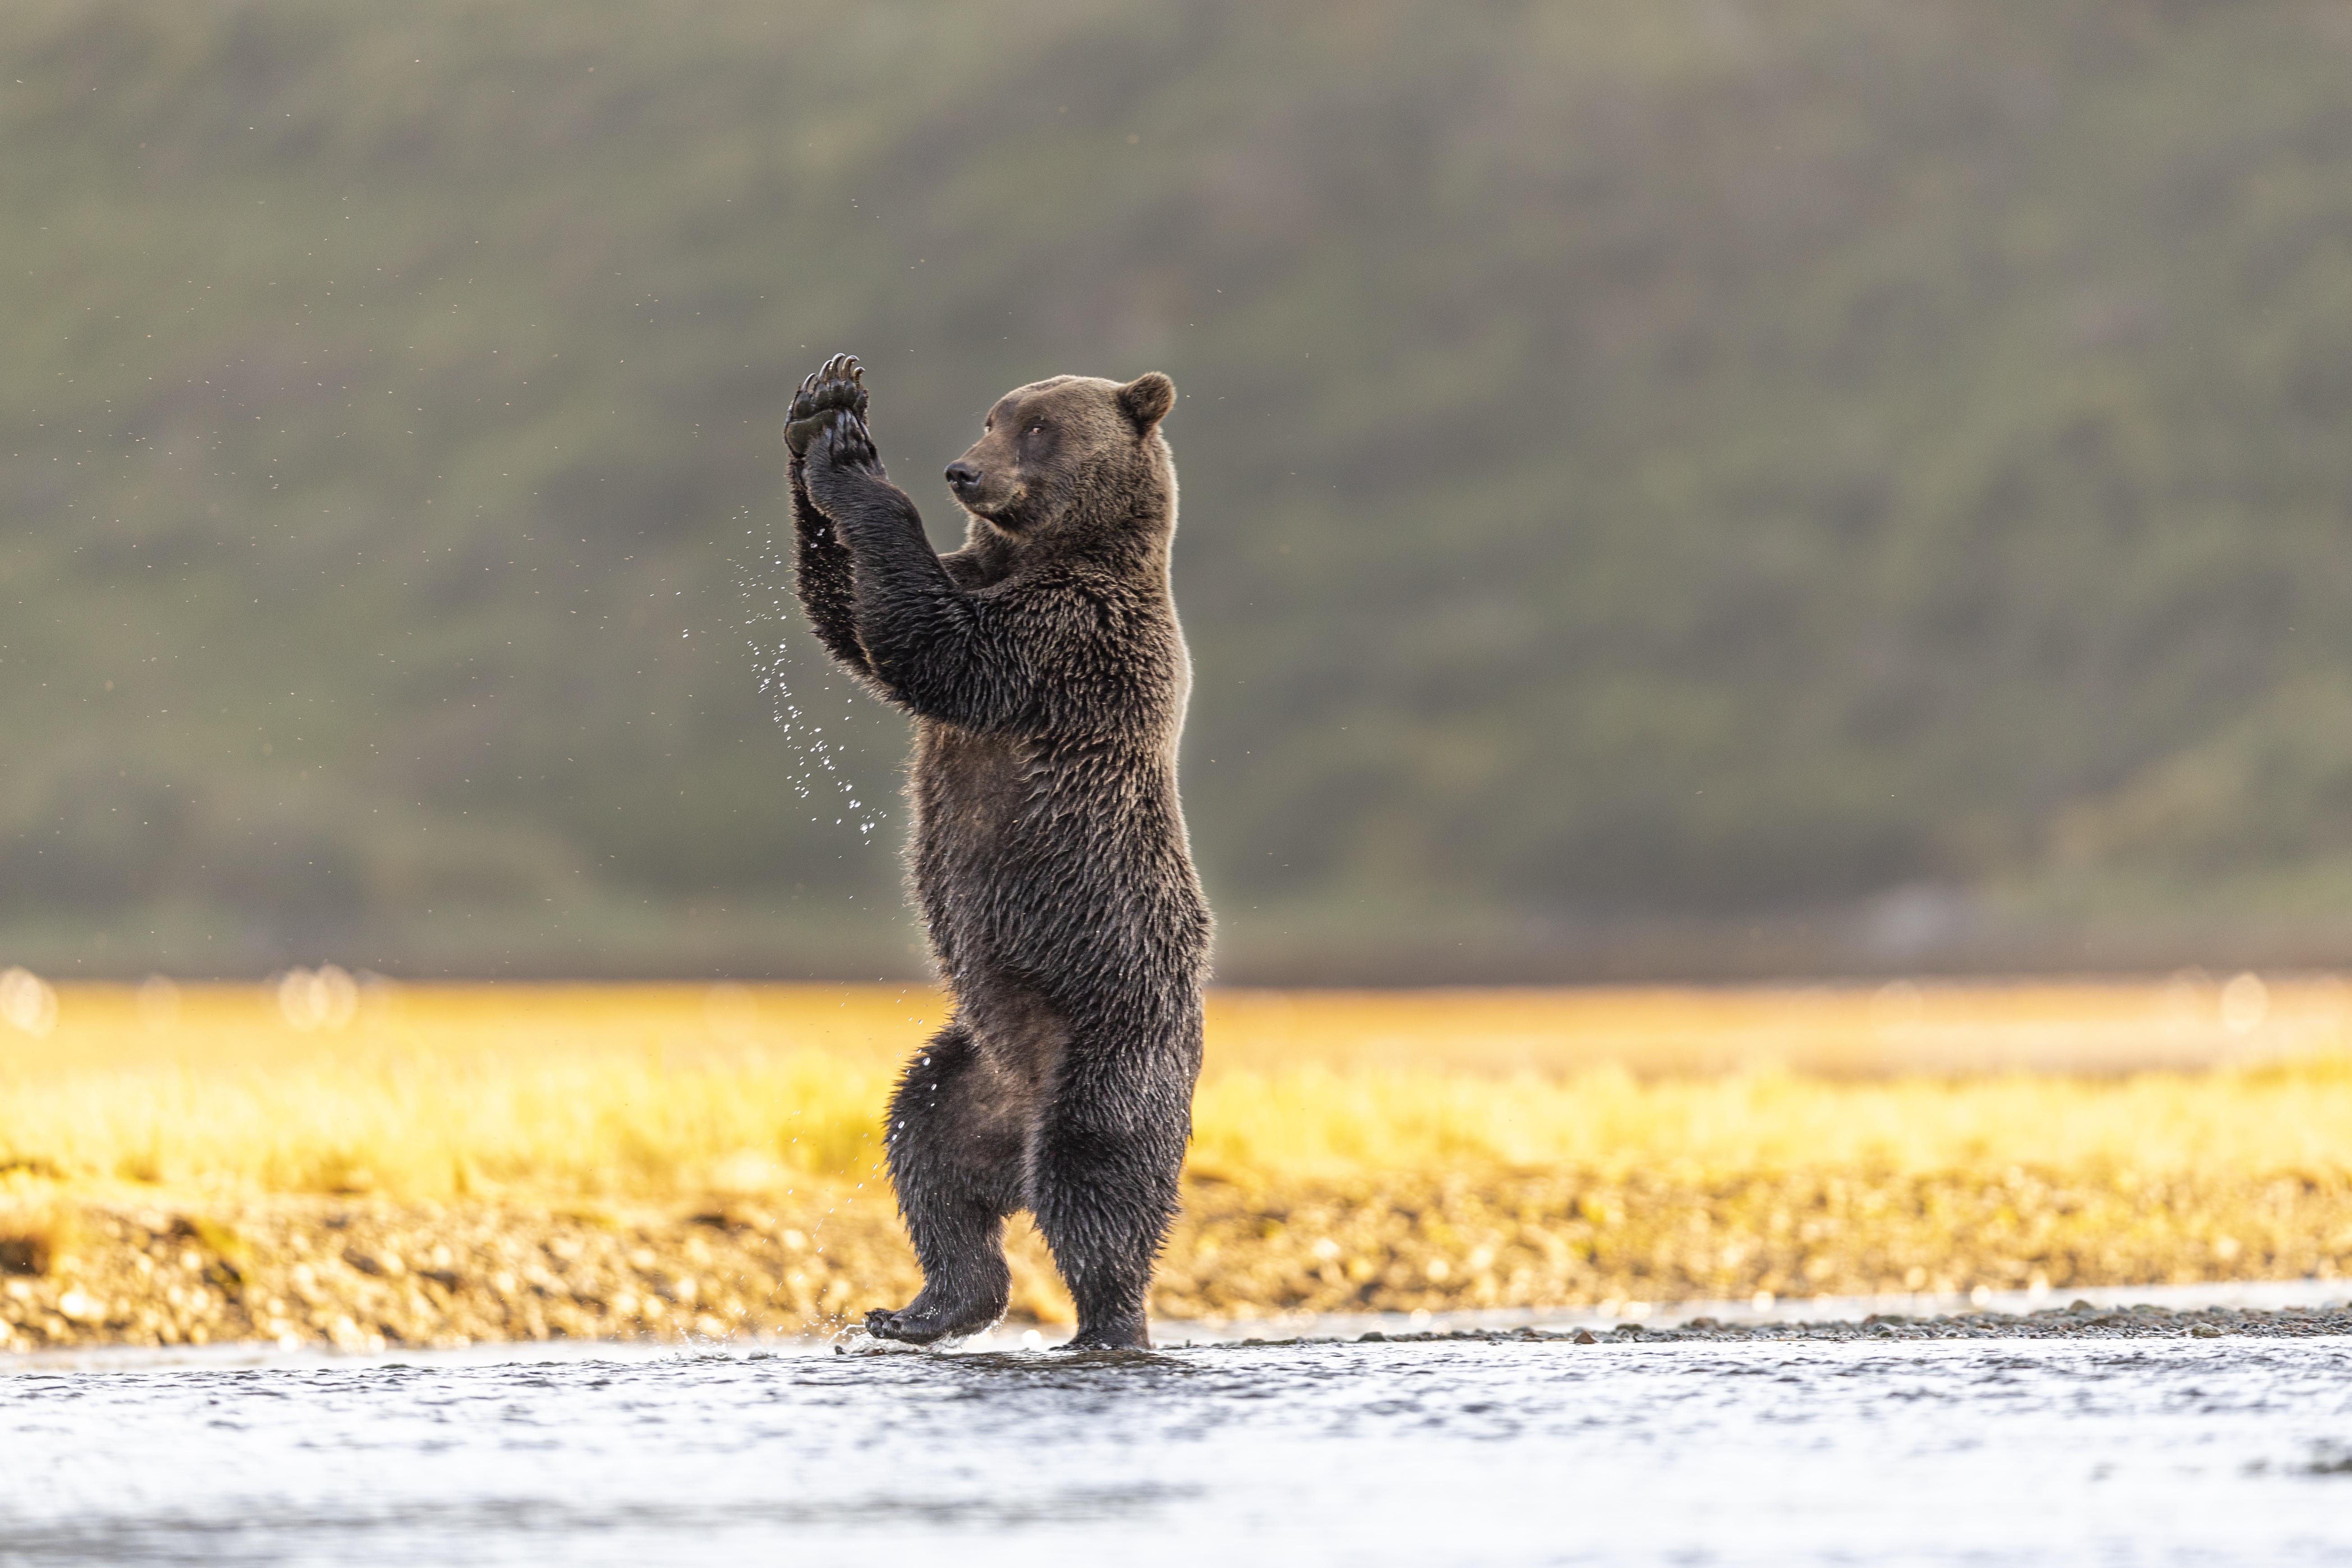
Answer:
(821, 567)
(956, 1148)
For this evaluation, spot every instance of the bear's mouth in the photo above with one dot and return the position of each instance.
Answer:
(992, 502)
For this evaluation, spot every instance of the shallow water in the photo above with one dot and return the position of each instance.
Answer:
(2007, 1452)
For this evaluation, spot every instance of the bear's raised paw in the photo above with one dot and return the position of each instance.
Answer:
(844, 443)
(837, 386)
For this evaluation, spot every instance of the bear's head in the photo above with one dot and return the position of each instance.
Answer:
(1070, 456)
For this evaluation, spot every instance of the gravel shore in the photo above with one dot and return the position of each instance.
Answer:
(364, 1274)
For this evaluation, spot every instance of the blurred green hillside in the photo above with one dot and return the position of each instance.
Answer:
(1867, 482)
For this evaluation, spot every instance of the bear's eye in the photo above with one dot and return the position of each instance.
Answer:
(1038, 429)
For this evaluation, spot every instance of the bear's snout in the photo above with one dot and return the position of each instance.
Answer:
(984, 488)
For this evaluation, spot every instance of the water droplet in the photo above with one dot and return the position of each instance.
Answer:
(767, 589)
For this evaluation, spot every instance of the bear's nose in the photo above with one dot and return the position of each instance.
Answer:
(962, 476)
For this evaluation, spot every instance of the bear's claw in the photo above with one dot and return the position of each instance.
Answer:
(836, 386)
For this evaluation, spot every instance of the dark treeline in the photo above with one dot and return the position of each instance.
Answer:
(1706, 472)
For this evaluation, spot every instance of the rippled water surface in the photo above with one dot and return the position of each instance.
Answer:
(2152, 1451)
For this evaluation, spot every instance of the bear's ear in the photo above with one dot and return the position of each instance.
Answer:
(1146, 399)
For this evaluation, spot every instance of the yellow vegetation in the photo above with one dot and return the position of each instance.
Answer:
(636, 1092)
(653, 1091)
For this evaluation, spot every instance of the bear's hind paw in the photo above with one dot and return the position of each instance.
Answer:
(920, 1325)
(1133, 1335)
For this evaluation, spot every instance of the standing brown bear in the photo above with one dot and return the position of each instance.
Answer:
(1047, 678)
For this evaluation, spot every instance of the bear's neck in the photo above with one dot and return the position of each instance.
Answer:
(1127, 547)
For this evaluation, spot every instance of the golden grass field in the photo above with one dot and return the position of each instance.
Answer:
(1353, 1151)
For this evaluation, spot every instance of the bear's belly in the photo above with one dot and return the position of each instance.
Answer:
(970, 793)
(1027, 863)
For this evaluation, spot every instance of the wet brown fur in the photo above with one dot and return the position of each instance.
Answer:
(1047, 676)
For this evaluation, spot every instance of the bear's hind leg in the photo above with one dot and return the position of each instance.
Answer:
(955, 1154)
(1104, 1188)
